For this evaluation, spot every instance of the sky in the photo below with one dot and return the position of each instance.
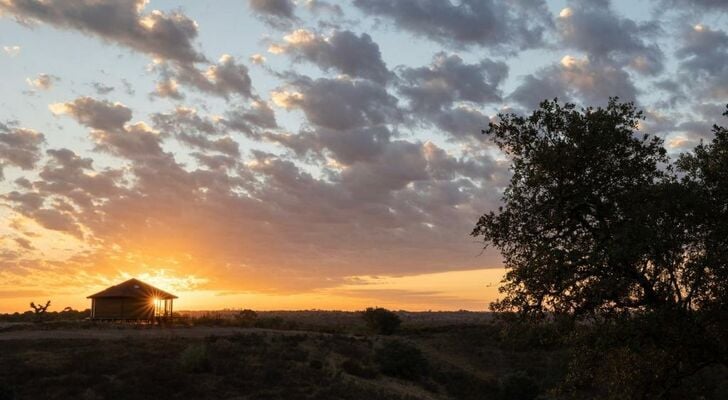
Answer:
(305, 154)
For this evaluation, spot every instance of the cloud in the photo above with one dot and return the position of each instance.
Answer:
(11, 51)
(448, 80)
(194, 130)
(168, 88)
(703, 55)
(93, 113)
(450, 93)
(344, 51)
(101, 88)
(135, 142)
(319, 6)
(225, 78)
(340, 103)
(486, 23)
(595, 29)
(694, 5)
(575, 79)
(250, 120)
(257, 59)
(19, 147)
(42, 81)
(278, 13)
(168, 36)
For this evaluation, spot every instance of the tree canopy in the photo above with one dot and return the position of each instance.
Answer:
(598, 220)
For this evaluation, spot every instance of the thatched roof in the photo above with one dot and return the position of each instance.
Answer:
(133, 288)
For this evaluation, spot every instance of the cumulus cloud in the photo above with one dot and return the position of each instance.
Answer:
(168, 88)
(695, 5)
(703, 55)
(278, 13)
(594, 28)
(575, 79)
(490, 23)
(250, 120)
(448, 79)
(42, 81)
(97, 114)
(341, 103)
(257, 59)
(195, 130)
(319, 6)
(19, 147)
(225, 78)
(344, 51)
(168, 36)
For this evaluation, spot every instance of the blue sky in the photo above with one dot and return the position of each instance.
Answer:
(309, 149)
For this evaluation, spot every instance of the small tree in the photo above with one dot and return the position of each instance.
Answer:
(381, 321)
(39, 310)
(246, 317)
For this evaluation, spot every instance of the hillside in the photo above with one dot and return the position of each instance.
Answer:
(439, 361)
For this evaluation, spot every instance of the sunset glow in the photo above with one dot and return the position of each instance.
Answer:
(300, 154)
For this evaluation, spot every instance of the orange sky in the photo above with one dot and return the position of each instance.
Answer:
(471, 290)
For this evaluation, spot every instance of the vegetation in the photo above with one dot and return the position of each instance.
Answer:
(68, 314)
(40, 309)
(445, 362)
(600, 225)
(401, 359)
(381, 320)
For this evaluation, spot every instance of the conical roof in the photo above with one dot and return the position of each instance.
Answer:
(133, 288)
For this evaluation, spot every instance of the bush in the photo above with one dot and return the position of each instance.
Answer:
(6, 392)
(246, 317)
(400, 359)
(353, 367)
(194, 358)
(518, 386)
(381, 320)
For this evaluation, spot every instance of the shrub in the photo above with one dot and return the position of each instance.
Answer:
(518, 386)
(316, 364)
(353, 367)
(381, 321)
(246, 317)
(6, 392)
(194, 358)
(400, 359)
(274, 323)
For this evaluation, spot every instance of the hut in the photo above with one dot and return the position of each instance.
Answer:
(132, 300)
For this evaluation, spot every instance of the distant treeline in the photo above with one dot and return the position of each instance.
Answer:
(30, 316)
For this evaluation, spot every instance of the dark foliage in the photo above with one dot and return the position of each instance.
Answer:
(354, 367)
(381, 321)
(246, 317)
(599, 224)
(68, 314)
(518, 386)
(401, 359)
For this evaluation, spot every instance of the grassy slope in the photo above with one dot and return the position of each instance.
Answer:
(463, 362)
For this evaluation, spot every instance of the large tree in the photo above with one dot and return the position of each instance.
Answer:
(598, 220)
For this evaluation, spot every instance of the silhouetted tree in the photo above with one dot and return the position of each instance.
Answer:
(246, 317)
(598, 222)
(40, 309)
(381, 321)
